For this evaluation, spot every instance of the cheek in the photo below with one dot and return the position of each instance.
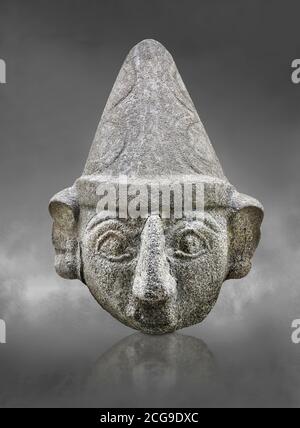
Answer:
(198, 285)
(109, 282)
(201, 279)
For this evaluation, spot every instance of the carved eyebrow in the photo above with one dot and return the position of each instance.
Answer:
(103, 217)
(208, 223)
(212, 224)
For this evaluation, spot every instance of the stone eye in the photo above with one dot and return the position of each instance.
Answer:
(191, 245)
(113, 246)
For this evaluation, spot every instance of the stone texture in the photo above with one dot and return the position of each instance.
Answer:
(154, 274)
(150, 125)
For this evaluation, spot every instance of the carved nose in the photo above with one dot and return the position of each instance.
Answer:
(153, 281)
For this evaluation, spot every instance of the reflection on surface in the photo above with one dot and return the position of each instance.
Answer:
(143, 370)
(147, 371)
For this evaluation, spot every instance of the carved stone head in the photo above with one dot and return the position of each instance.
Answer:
(153, 227)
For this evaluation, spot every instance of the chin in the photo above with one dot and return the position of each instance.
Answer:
(156, 328)
(154, 320)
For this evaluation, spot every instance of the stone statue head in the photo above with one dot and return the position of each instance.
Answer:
(152, 226)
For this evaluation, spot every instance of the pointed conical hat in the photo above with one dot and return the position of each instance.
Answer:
(150, 126)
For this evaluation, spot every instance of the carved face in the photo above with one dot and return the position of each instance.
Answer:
(156, 275)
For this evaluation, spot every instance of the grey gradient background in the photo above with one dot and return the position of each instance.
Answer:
(62, 59)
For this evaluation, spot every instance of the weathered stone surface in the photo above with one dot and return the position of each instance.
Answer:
(157, 271)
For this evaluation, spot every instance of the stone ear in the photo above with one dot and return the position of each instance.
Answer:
(64, 209)
(244, 234)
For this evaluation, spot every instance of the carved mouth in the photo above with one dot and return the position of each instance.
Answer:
(154, 318)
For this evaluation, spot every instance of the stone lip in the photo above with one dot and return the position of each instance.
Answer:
(150, 124)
